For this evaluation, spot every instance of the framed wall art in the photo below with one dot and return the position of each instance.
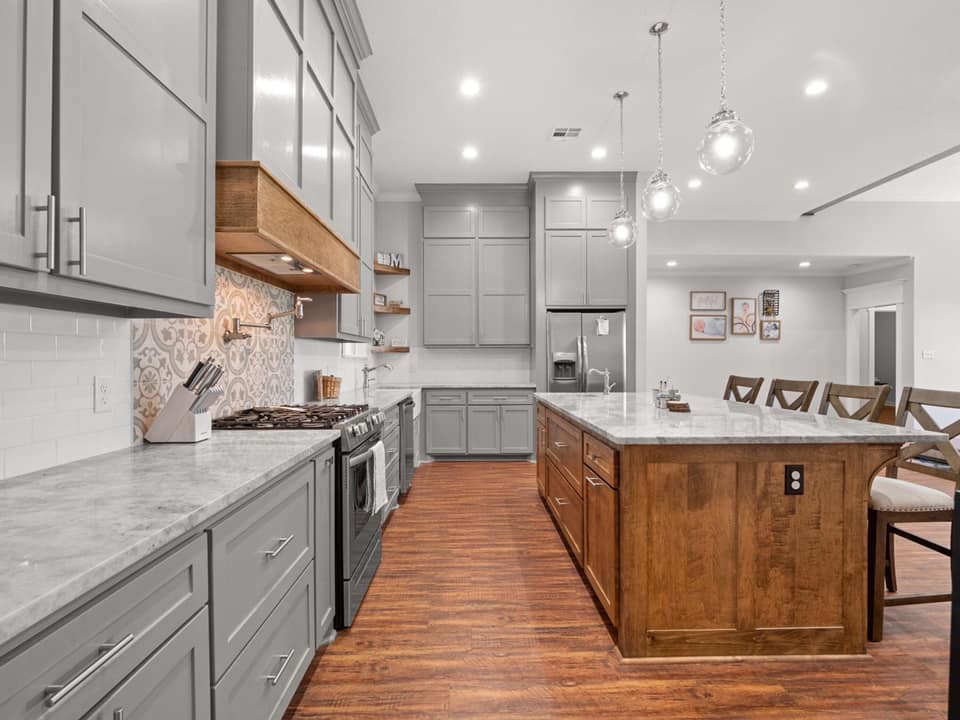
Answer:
(770, 329)
(708, 327)
(743, 316)
(708, 300)
(379, 300)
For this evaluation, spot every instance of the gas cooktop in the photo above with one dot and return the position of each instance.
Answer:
(314, 416)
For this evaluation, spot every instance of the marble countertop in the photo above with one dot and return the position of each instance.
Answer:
(68, 529)
(632, 419)
(457, 385)
(377, 396)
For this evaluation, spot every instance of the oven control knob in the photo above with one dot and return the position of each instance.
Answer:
(355, 430)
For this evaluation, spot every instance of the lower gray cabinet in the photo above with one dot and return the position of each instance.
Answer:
(516, 429)
(325, 572)
(173, 683)
(483, 430)
(447, 430)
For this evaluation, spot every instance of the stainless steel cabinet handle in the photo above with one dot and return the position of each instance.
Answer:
(81, 218)
(561, 501)
(557, 443)
(118, 714)
(56, 693)
(51, 209)
(328, 462)
(595, 481)
(279, 548)
(275, 678)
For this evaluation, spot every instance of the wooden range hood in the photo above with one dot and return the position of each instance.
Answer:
(258, 220)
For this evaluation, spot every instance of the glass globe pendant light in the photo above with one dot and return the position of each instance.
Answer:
(622, 231)
(728, 143)
(660, 199)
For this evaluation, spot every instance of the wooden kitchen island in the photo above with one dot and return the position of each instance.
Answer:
(692, 532)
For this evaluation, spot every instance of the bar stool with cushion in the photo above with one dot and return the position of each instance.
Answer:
(806, 389)
(743, 389)
(839, 397)
(894, 501)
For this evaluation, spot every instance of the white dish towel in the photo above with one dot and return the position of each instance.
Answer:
(379, 476)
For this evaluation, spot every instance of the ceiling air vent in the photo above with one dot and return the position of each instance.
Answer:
(565, 133)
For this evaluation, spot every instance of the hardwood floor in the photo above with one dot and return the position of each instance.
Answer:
(479, 612)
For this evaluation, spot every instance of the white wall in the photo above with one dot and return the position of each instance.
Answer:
(48, 361)
(812, 346)
(929, 232)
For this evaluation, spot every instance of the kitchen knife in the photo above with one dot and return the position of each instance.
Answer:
(214, 377)
(200, 385)
(193, 376)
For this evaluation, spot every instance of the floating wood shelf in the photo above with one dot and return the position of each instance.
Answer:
(388, 349)
(388, 270)
(391, 310)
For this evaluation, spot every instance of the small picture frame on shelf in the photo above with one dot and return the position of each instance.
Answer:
(708, 300)
(379, 300)
(397, 342)
(770, 329)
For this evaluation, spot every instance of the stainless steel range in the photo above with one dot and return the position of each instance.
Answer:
(358, 549)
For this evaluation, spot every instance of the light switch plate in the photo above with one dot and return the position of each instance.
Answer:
(102, 393)
(926, 355)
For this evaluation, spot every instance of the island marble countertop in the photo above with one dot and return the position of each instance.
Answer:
(632, 419)
(70, 528)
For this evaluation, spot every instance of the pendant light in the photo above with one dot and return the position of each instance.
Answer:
(660, 199)
(622, 232)
(728, 143)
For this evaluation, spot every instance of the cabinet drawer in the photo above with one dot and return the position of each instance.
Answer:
(500, 397)
(391, 446)
(260, 684)
(391, 420)
(256, 554)
(174, 683)
(601, 458)
(564, 448)
(446, 397)
(567, 507)
(133, 620)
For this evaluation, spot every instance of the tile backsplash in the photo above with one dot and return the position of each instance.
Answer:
(258, 371)
(48, 360)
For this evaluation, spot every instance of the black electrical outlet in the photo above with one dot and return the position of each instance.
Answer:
(793, 480)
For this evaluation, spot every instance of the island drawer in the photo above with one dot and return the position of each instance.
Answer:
(567, 507)
(601, 458)
(63, 672)
(500, 397)
(256, 554)
(564, 445)
(445, 397)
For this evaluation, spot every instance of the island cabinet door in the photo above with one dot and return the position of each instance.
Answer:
(601, 542)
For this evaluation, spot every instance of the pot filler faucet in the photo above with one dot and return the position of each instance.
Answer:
(367, 370)
(607, 385)
(236, 327)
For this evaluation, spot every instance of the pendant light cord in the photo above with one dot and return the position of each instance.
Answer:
(723, 55)
(623, 198)
(659, 102)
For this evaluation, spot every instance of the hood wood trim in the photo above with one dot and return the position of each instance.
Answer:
(257, 214)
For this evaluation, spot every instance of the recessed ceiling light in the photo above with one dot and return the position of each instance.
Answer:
(694, 183)
(671, 263)
(805, 264)
(598, 153)
(469, 87)
(817, 86)
(307, 270)
(469, 153)
(801, 185)
(286, 258)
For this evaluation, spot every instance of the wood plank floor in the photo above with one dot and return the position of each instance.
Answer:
(479, 612)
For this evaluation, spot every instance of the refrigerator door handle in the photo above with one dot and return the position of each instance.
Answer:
(586, 363)
(579, 370)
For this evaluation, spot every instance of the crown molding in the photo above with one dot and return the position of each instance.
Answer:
(354, 28)
(365, 108)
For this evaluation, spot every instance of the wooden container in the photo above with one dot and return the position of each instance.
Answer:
(328, 387)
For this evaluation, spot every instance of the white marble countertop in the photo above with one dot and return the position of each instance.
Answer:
(423, 384)
(68, 529)
(632, 419)
(378, 396)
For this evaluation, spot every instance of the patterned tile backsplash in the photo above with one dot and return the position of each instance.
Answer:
(258, 371)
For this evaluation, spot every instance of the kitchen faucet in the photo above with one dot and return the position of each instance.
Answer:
(367, 370)
(607, 385)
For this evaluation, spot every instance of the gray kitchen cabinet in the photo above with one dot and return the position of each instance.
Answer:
(344, 186)
(367, 286)
(136, 178)
(325, 572)
(516, 429)
(446, 430)
(26, 80)
(173, 683)
(504, 222)
(450, 222)
(483, 430)
(606, 269)
(565, 212)
(601, 211)
(449, 292)
(565, 277)
(365, 217)
(503, 293)
(317, 167)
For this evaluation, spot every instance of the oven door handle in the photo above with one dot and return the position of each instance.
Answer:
(360, 459)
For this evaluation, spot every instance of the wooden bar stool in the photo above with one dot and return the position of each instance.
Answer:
(895, 501)
(872, 397)
(806, 389)
(743, 389)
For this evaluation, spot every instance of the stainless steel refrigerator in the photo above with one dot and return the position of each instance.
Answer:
(578, 341)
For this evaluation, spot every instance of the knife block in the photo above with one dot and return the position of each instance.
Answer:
(176, 424)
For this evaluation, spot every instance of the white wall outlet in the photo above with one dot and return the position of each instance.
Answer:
(926, 355)
(102, 394)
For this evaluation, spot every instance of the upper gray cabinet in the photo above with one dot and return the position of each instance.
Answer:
(566, 212)
(449, 222)
(126, 225)
(504, 222)
(449, 292)
(584, 270)
(503, 291)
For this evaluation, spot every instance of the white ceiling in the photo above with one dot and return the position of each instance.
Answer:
(769, 265)
(937, 182)
(893, 70)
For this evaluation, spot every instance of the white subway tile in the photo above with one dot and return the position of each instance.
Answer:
(77, 447)
(50, 322)
(14, 375)
(25, 347)
(79, 348)
(64, 373)
(29, 458)
(89, 326)
(15, 432)
(14, 319)
(27, 403)
(74, 397)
